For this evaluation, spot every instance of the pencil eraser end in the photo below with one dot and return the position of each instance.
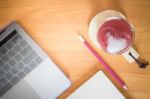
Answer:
(81, 38)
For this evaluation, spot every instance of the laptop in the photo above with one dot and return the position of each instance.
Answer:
(26, 71)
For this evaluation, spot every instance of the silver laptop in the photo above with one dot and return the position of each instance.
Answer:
(26, 72)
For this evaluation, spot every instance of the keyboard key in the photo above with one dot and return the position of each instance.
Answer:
(20, 65)
(9, 45)
(26, 70)
(17, 38)
(3, 50)
(1, 86)
(18, 57)
(2, 72)
(5, 89)
(14, 70)
(29, 58)
(23, 43)
(26, 51)
(7, 67)
(3, 81)
(38, 60)
(1, 55)
(1, 63)
(9, 75)
(32, 65)
(14, 80)
(21, 74)
(17, 48)
(11, 53)
(5, 58)
(12, 62)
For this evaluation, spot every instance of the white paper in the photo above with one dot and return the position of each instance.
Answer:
(97, 87)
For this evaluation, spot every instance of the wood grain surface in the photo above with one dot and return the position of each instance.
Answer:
(54, 25)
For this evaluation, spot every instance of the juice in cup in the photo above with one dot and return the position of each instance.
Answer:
(115, 35)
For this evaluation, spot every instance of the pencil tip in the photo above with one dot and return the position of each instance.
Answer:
(79, 33)
(125, 87)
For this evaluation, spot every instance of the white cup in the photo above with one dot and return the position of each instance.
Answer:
(96, 23)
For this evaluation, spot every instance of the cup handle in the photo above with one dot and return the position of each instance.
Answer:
(132, 55)
(128, 57)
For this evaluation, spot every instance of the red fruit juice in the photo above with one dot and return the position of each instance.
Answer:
(115, 35)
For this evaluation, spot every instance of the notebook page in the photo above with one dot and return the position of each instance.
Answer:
(97, 87)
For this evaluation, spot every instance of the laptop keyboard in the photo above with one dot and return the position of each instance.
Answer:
(17, 59)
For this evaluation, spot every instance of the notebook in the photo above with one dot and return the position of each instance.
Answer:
(97, 87)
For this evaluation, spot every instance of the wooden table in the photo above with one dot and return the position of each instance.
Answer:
(54, 25)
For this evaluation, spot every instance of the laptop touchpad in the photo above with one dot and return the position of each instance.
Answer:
(21, 91)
